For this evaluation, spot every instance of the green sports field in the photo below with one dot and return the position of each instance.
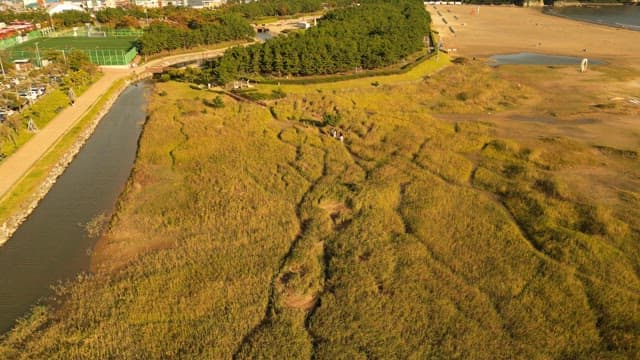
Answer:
(100, 50)
(77, 43)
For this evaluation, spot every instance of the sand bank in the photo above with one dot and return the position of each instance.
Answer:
(506, 29)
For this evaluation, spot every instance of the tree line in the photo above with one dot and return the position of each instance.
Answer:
(62, 19)
(369, 36)
(183, 15)
(256, 9)
(164, 36)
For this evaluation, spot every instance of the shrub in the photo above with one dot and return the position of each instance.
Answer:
(460, 61)
(547, 187)
(278, 94)
(216, 103)
(462, 96)
(331, 119)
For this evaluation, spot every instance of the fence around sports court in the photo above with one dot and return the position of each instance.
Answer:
(111, 56)
(83, 32)
(13, 41)
(96, 56)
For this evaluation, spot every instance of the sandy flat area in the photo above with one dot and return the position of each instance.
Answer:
(506, 29)
(509, 29)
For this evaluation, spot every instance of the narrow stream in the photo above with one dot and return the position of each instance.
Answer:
(53, 245)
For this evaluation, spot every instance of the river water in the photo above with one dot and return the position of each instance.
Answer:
(537, 59)
(620, 16)
(52, 245)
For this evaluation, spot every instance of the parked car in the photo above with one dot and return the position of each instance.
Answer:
(28, 94)
(38, 89)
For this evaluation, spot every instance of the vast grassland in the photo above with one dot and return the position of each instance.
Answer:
(250, 232)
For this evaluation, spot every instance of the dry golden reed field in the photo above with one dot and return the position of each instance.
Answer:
(469, 212)
(251, 232)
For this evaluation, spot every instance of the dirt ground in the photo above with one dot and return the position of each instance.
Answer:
(499, 30)
(600, 107)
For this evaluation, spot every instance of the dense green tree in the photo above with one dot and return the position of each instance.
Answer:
(372, 35)
(256, 9)
(72, 18)
(163, 36)
(79, 60)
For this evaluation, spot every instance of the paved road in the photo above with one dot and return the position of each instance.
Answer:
(180, 58)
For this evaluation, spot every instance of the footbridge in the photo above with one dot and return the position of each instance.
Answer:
(182, 60)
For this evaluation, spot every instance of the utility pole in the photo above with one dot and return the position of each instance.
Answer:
(38, 56)
(2, 67)
(31, 126)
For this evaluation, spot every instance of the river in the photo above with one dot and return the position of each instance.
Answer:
(620, 16)
(52, 245)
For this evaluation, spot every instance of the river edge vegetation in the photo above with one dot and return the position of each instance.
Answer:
(413, 237)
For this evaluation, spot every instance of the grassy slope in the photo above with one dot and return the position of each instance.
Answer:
(416, 238)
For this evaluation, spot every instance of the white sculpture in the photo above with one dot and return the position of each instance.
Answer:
(584, 65)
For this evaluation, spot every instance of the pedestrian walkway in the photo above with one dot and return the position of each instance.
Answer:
(16, 166)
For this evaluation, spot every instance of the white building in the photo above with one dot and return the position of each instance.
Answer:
(213, 3)
(65, 6)
(30, 4)
(147, 3)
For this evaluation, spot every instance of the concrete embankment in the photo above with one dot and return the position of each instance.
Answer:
(13, 169)
(11, 224)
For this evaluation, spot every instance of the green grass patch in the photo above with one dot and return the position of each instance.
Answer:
(428, 66)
